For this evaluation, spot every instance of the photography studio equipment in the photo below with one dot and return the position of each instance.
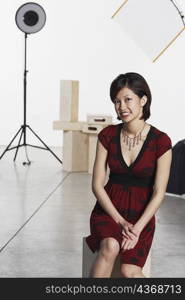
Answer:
(180, 12)
(30, 18)
(169, 26)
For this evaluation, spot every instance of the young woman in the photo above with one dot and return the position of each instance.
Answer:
(139, 158)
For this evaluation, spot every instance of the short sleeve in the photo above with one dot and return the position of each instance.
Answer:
(104, 136)
(163, 144)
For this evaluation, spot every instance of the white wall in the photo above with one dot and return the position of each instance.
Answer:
(80, 41)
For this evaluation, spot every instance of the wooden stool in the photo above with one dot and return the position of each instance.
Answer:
(88, 258)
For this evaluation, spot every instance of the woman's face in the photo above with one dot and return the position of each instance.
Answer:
(128, 105)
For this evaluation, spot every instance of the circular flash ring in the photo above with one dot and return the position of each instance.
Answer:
(30, 17)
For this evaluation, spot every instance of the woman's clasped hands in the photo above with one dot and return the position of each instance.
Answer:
(130, 235)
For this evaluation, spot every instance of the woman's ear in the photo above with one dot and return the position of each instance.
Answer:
(144, 100)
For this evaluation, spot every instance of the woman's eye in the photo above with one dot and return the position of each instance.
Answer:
(116, 101)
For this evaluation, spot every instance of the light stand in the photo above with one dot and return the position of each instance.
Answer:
(27, 19)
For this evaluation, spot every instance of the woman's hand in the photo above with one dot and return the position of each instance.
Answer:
(126, 228)
(129, 242)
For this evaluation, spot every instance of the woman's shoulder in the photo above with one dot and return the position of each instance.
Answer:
(162, 141)
(161, 137)
(107, 134)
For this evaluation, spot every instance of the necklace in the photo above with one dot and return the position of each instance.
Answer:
(128, 140)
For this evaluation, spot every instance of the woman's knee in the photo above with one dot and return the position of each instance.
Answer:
(109, 247)
(130, 271)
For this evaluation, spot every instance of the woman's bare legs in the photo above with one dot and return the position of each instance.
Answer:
(131, 271)
(103, 265)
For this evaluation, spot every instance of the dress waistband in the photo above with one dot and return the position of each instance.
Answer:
(129, 179)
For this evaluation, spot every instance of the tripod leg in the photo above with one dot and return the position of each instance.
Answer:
(45, 144)
(18, 144)
(10, 143)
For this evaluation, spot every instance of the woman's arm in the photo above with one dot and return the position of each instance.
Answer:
(161, 181)
(98, 181)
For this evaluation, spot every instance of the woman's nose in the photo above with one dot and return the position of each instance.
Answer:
(122, 105)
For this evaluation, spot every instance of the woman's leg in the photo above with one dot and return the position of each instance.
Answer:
(103, 265)
(131, 271)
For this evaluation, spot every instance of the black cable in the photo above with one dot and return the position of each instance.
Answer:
(180, 12)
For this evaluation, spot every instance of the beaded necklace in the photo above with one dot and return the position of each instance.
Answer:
(132, 141)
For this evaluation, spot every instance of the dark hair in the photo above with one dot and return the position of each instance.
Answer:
(137, 84)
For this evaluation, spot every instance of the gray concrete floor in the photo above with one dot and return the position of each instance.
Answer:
(44, 214)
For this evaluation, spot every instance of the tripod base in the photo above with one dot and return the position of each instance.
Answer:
(22, 132)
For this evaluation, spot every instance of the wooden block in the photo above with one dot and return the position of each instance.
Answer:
(88, 257)
(92, 128)
(75, 151)
(99, 119)
(61, 125)
(69, 99)
(92, 152)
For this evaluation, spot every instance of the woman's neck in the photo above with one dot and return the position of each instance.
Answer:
(133, 129)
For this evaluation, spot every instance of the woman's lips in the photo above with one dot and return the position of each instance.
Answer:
(124, 115)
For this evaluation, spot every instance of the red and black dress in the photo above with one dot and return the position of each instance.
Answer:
(130, 189)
